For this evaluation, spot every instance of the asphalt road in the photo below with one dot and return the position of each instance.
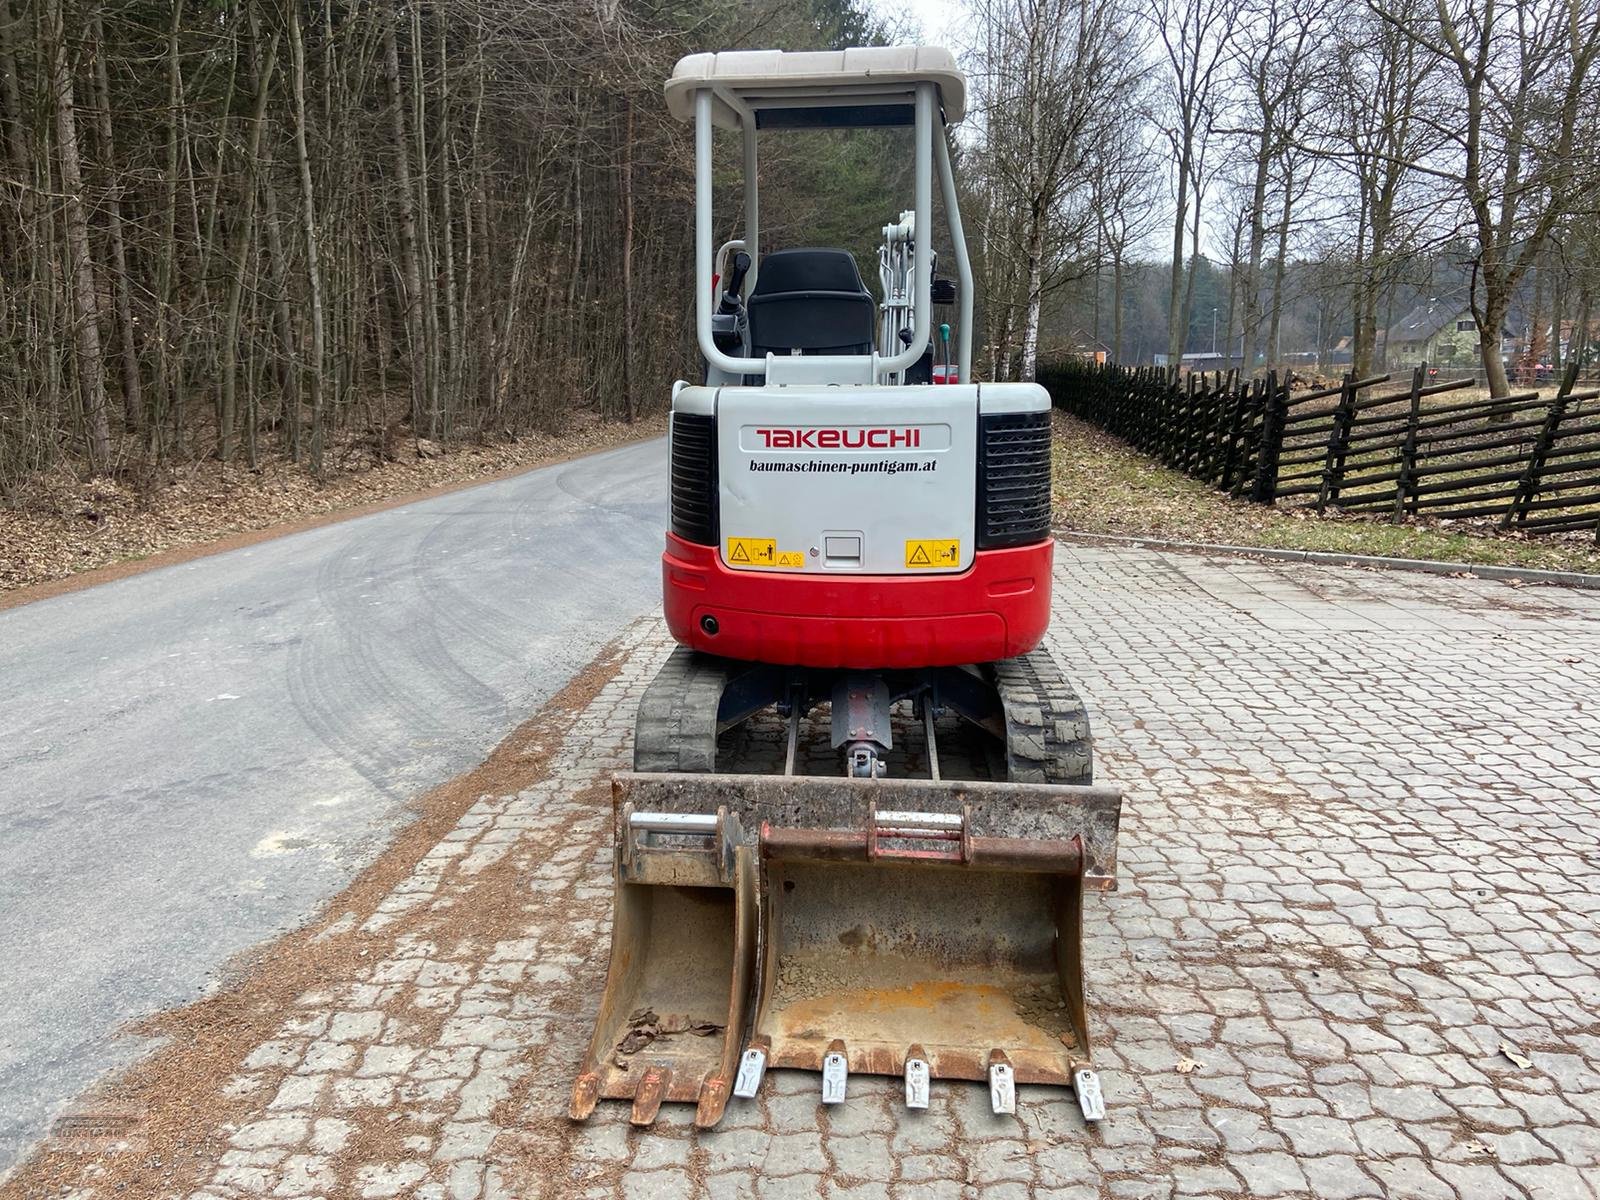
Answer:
(195, 759)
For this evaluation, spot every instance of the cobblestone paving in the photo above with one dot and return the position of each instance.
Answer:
(1359, 854)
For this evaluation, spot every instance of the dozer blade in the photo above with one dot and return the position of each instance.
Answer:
(683, 946)
(919, 928)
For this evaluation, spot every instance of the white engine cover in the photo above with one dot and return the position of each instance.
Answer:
(857, 479)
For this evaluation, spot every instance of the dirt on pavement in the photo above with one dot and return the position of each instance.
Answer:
(179, 1096)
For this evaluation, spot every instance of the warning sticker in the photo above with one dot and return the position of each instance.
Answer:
(753, 552)
(933, 552)
(791, 558)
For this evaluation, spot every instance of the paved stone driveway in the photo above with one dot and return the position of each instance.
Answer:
(1359, 854)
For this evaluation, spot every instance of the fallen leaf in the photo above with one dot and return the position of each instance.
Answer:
(1517, 1057)
(642, 1030)
(636, 1040)
(1479, 1148)
(1187, 1066)
(645, 1026)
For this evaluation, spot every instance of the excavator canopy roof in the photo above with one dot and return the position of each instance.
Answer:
(817, 89)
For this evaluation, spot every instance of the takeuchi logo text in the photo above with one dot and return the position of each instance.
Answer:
(853, 437)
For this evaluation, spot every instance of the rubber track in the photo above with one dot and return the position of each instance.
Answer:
(1047, 727)
(676, 726)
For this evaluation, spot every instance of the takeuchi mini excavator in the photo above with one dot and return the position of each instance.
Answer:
(860, 529)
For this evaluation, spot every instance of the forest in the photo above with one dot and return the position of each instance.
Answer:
(232, 229)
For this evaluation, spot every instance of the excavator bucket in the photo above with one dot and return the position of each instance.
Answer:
(917, 928)
(683, 949)
(911, 942)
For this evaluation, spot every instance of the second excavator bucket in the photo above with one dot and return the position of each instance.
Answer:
(912, 948)
(683, 947)
(915, 928)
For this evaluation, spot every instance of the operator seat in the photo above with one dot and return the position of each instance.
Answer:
(813, 301)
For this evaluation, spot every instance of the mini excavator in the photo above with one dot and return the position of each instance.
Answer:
(857, 529)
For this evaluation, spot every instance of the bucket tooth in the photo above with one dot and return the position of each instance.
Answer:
(683, 934)
(1086, 1084)
(1002, 1084)
(585, 1095)
(713, 1100)
(752, 1068)
(916, 1077)
(653, 1088)
(835, 1073)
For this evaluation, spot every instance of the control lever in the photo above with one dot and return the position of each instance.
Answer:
(731, 298)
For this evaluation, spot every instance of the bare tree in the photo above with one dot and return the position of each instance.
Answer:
(310, 234)
(116, 249)
(1375, 125)
(263, 62)
(1522, 79)
(1126, 181)
(411, 301)
(1194, 36)
(1275, 42)
(1055, 80)
(86, 317)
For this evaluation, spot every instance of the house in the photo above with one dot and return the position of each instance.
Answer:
(1199, 360)
(1574, 338)
(1085, 347)
(1339, 355)
(1439, 332)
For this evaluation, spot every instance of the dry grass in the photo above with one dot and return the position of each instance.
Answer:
(1104, 486)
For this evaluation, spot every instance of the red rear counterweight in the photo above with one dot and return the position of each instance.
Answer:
(998, 608)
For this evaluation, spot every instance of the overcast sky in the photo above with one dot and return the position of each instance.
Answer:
(943, 21)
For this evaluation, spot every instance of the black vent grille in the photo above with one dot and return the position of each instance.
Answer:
(694, 478)
(1013, 480)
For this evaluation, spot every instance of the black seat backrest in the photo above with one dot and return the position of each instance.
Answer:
(812, 301)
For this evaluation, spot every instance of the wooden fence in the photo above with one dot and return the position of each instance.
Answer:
(1531, 461)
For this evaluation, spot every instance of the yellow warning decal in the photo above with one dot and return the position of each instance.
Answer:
(791, 558)
(933, 552)
(753, 552)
